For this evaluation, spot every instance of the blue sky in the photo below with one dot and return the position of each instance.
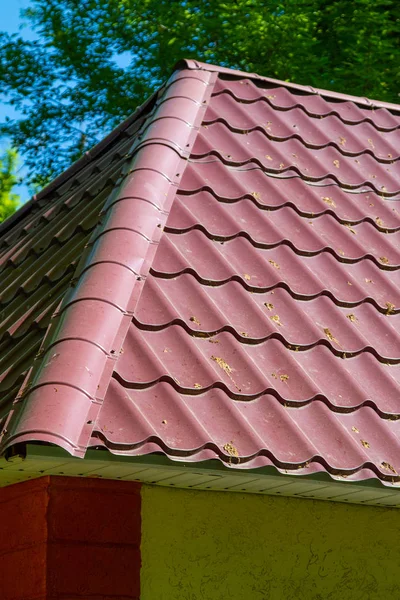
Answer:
(10, 21)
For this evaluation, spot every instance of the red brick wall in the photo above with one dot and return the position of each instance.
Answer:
(23, 540)
(70, 539)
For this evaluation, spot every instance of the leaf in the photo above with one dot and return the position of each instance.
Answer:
(329, 201)
(388, 467)
(8, 180)
(276, 319)
(222, 364)
(389, 308)
(349, 227)
(331, 337)
(274, 264)
(231, 449)
(226, 368)
(352, 318)
(195, 320)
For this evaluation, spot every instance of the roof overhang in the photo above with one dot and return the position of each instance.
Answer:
(47, 412)
(33, 461)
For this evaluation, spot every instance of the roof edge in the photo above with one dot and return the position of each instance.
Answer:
(40, 460)
(63, 391)
(361, 101)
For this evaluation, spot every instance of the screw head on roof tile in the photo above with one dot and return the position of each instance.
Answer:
(89, 422)
(138, 279)
(112, 352)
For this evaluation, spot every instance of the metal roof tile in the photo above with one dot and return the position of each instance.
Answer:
(266, 228)
(256, 317)
(292, 156)
(238, 294)
(259, 269)
(351, 110)
(307, 198)
(296, 124)
(245, 369)
(214, 426)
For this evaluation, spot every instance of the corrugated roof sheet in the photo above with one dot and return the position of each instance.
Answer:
(238, 295)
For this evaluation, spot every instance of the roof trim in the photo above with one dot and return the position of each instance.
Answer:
(39, 460)
(73, 369)
(360, 101)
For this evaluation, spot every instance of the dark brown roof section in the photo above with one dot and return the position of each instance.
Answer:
(89, 156)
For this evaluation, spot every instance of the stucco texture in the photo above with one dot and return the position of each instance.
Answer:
(228, 546)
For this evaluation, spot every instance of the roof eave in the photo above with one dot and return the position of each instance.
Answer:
(34, 460)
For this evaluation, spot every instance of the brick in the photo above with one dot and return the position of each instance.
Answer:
(23, 518)
(70, 538)
(95, 511)
(90, 570)
(23, 573)
(24, 488)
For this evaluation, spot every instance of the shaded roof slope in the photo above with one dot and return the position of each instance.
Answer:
(220, 281)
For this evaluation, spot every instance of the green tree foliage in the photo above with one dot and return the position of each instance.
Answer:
(71, 90)
(8, 179)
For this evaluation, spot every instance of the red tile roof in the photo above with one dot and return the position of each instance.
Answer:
(218, 279)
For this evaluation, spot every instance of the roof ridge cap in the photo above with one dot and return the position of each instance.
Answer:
(362, 101)
(79, 351)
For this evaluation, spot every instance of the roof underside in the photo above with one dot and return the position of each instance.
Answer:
(220, 281)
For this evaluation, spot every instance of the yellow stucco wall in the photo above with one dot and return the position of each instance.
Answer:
(226, 546)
